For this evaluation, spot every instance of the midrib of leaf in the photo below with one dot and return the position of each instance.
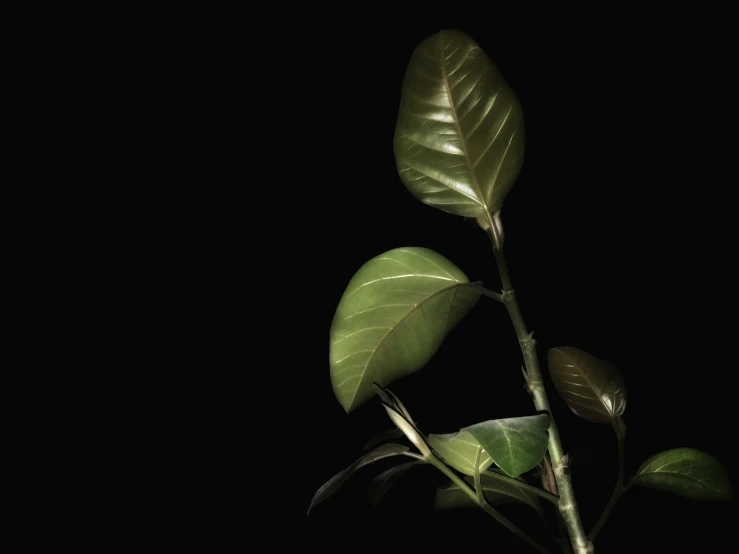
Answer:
(465, 153)
(592, 386)
(392, 329)
(686, 476)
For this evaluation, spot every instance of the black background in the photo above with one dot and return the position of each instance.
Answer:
(268, 178)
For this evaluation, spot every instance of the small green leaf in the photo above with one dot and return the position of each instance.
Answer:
(379, 486)
(459, 451)
(515, 444)
(592, 388)
(496, 492)
(686, 472)
(333, 484)
(393, 317)
(459, 139)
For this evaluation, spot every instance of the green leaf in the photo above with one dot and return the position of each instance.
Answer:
(515, 444)
(686, 472)
(592, 388)
(379, 486)
(459, 139)
(495, 491)
(333, 484)
(393, 317)
(459, 450)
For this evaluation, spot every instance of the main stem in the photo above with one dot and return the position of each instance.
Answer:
(567, 502)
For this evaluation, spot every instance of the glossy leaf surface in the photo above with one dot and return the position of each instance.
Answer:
(515, 444)
(380, 485)
(333, 484)
(686, 472)
(593, 388)
(459, 139)
(393, 316)
(459, 450)
(496, 492)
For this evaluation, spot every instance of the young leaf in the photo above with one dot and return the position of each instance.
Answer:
(515, 444)
(398, 405)
(410, 431)
(495, 491)
(459, 139)
(459, 450)
(686, 472)
(379, 486)
(333, 484)
(591, 387)
(393, 316)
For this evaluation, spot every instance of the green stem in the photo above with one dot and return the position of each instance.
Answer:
(618, 490)
(523, 485)
(414, 455)
(477, 285)
(478, 482)
(567, 502)
(485, 505)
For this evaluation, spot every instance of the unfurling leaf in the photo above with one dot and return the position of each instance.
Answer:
(391, 400)
(686, 472)
(379, 486)
(393, 317)
(495, 491)
(459, 139)
(333, 484)
(592, 388)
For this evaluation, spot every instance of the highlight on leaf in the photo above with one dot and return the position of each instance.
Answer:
(515, 445)
(459, 138)
(392, 318)
(592, 388)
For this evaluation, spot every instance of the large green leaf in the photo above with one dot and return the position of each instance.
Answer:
(686, 472)
(459, 139)
(393, 316)
(333, 484)
(459, 450)
(495, 491)
(592, 388)
(515, 444)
